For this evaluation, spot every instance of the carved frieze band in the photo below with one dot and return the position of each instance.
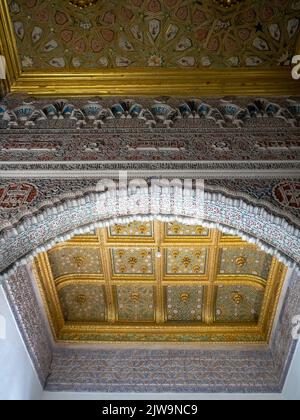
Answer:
(151, 113)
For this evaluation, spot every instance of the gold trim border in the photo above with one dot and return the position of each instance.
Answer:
(164, 82)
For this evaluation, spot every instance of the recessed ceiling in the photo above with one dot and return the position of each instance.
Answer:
(159, 282)
(150, 46)
(154, 33)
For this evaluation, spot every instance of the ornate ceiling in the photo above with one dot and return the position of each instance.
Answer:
(159, 283)
(96, 44)
(152, 282)
(155, 33)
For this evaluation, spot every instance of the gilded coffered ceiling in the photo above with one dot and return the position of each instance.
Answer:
(149, 39)
(156, 282)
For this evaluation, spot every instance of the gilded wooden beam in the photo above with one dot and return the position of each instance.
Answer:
(170, 82)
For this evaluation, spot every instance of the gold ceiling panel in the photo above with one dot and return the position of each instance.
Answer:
(238, 303)
(143, 230)
(75, 259)
(157, 47)
(159, 282)
(244, 260)
(185, 262)
(132, 262)
(83, 303)
(135, 303)
(184, 303)
(185, 232)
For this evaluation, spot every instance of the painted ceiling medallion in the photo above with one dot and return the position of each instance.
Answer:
(135, 297)
(240, 261)
(81, 299)
(184, 297)
(81, 4)
(79, 261)
(228, 3)
(237, 298)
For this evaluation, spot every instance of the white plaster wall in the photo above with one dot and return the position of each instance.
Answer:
(292, 387)
(18, 380)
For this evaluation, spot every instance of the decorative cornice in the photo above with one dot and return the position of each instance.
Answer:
(193, 112)
(142, 169)
(81, 136)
